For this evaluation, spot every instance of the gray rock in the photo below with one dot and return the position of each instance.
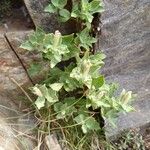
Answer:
(27, 58)
(52, 142)
(47, 21)
(125, 38)
(12, 130)
(11, 69)
(15, 132)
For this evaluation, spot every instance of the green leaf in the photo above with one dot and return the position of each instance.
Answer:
(50, 8)
(63, 110)
(70, 84)
(56, 86)
(89, 17)
(68, 39)
(127, 108)
(34, 69)
(96, 6)
(64, 15)
(37, 91)
(55, 61)
(59, 3)
(40, 35)
(40, 102)
(98, 58)
(72, 47)
(75, 10)
(84, 39)
(42, 91)
(51, 96)
(88, 123)
(27, 45)
(48, 40)
(98, 82)
(92, 124)
(125, 97)
(80, 119)
(81, 72)
(33, 39)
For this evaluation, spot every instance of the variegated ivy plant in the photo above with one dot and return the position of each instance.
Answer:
(70, 92)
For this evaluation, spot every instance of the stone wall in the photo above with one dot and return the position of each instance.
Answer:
(47, 21)
(125, 39)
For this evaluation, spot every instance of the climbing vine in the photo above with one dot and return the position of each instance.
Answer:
(74, 92)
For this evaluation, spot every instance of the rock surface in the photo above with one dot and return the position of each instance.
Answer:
(47, 21)
(125, 38)
(13, 127)
(11, 68)
(27, 58)
(52, 142)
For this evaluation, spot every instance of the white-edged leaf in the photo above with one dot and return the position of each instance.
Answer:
(27, 45)
(40, 102)
(50, 8)
(37, 91)
(56, 86)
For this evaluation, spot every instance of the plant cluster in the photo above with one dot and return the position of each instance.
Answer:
(75, 92)
(130, 140)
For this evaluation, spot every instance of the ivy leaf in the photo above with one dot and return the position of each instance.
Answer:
(47, 42)
(125, 97)
(56, 86)
(40, 102)
(127, 108)
(34, 69)
(54, 61)
(75, 10)
(98, 82)
(50, 8)
(50, 95)
(92, 124)
(97, 98)
(81, 72)
(96, 103)
(27, 45)
(84, 39)
(59, 3)
(88, 123)
(81, 77)
(39, 34)
(72, 47)
(70, 83)
(70, 101)
(37, 91)
(63, 110)
(96, 6)
(68, 39)
(84, 128)
(80, 119)
(64, 15)
(97, 59)
(47, 93)
(89, 17)
(35, 40)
